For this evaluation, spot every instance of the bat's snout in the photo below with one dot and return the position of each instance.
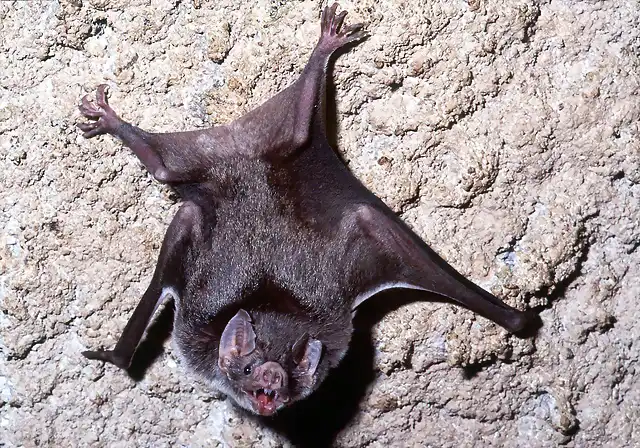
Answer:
(271, 393)
(271, 375)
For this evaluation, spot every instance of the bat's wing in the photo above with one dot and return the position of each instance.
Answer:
(185, 229)
(395, 257)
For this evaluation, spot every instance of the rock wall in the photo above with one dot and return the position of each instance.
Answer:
(504, 132)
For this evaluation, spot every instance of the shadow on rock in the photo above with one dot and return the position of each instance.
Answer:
(317, 421)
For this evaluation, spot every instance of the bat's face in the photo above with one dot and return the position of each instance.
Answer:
(260, 381)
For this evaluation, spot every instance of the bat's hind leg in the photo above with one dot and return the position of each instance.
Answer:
(283, 123)
(104, 120)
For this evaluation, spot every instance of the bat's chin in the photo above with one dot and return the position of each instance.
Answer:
(267, 401)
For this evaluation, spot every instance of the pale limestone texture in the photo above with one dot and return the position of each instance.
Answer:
(504, 132)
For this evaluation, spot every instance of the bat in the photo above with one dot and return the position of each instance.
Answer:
(276, 243)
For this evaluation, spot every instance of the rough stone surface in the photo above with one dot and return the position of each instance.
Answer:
(504, 131)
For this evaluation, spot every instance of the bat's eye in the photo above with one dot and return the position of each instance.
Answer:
(247, 369)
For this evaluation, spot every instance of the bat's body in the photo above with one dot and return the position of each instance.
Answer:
(276, 244)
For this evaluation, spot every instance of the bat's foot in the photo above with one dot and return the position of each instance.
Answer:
(109, 356)
(104, 119)
(333, 35)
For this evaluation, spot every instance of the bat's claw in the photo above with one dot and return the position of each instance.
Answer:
(103, 119)
(333, 34)
(109, 356)
(525, 324)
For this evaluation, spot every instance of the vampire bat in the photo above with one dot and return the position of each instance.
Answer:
(275, 245)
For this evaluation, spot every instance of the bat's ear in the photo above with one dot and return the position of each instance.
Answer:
(306, 354)
(238, 339)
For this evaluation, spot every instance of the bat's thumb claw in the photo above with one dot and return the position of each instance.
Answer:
(107, 356)
(526, 324)
(98, 355)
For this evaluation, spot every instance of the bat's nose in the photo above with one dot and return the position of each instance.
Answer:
(271, 375)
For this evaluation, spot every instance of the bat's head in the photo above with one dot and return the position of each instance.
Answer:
(264, 373)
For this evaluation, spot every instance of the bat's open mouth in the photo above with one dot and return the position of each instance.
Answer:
(265, 394)
(267, 401)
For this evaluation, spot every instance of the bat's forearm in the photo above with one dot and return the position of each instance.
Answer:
(184, 230)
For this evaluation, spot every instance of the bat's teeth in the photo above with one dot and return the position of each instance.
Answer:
(270, 393)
